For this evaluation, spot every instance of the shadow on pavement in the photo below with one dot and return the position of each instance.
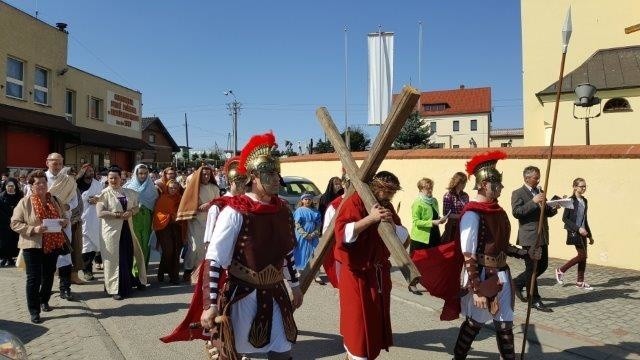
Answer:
(599, 294)
(24, 331)
(139, 310)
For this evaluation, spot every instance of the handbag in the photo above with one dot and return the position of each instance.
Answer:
(66, 246)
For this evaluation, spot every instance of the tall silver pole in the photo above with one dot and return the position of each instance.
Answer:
(346, 73)
(420, 55)
(380, 73)
(235, 126)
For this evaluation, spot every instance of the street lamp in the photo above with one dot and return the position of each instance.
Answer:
(585, 98)
(234, 108)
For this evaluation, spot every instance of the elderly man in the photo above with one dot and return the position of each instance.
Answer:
(194, 206)
(526, 204)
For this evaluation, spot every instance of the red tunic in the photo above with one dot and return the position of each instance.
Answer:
(330, 264)
(365, 284)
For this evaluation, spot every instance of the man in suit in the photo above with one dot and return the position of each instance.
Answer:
(526, 203)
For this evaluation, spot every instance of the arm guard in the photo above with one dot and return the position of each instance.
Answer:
(471, 266)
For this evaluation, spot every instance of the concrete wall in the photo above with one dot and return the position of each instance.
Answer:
(35, 43)
(597, 25)
(86, 85)
(610, 173)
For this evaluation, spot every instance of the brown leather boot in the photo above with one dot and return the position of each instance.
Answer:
(75, 279)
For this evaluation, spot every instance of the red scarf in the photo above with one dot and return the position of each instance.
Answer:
(50, 241)
(244, 204)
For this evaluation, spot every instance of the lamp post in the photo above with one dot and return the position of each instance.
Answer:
(585, 98)
(234, 109)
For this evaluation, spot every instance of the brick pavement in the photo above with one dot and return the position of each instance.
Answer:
(598, 324)
(70, 331)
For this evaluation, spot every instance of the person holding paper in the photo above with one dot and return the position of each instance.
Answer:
(40, 247)
(577, 225)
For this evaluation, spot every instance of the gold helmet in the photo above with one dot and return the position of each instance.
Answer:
(231, 170)
(257, 155)
(483, 167)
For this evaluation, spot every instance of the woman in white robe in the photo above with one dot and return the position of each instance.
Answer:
(119, 245)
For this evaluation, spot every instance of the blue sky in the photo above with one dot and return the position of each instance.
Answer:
(283, 59)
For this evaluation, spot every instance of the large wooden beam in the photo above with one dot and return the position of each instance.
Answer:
(400, 112)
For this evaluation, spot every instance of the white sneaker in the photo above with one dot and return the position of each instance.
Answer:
(584, 286)
(559, 276)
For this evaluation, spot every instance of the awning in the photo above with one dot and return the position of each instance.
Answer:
(34, 119)
(105, 139)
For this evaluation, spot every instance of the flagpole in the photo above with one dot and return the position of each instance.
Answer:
(380, 74)
(346, 123)
(419, 55)
(566, 35)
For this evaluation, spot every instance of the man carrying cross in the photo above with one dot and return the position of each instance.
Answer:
(365, 279)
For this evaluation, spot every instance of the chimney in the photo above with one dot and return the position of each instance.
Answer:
(62, 27)
(461, 86)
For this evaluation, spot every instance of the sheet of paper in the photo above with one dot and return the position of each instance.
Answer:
(565, 203)
(53, 225)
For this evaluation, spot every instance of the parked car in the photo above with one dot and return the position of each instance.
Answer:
(294, 187)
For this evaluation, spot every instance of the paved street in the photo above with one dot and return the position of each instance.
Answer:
(601, 324)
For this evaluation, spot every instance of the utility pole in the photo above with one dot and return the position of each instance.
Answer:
(186, 133)
(234, 109)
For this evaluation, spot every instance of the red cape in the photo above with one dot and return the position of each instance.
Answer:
(329, 262)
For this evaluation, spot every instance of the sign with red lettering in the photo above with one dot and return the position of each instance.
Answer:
(123, 111)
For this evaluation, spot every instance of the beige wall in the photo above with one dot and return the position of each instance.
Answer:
(597, 25)
(445, 134)
(608, 128)
(611, 192)
(86, 85)
(36, 44)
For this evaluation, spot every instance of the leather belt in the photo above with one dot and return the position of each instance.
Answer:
(498, 261)
(266, 278)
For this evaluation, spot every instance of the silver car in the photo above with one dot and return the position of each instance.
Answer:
(294, 187)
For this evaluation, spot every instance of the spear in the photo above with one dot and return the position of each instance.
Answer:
(566, 35)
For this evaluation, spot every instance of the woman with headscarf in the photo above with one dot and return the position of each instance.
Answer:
(169, 232)
(8, 238)
(308, 226)
(142, 184)
(119, 245)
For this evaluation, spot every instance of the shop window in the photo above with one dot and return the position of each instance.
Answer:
(474, 125)
(456, 125)
(616, 105)
(41, 86)
(15, 78)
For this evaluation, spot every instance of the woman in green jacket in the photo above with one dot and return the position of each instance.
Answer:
(425, 233)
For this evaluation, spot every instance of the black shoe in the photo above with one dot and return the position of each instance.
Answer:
(116, 297)
(36, 319)
(538, 305)
(520, 295)
(67, 295)
(160, 277)
(141, 287)
(45, 307)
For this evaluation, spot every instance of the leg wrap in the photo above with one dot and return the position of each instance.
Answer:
(468, 332)
(504, 337)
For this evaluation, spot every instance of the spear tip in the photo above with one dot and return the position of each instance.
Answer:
(566, 31)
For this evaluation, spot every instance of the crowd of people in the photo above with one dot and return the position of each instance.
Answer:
(243, 247)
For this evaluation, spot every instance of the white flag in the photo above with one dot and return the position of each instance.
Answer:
(380, 76)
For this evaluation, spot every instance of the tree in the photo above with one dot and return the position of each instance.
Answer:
(358, 140)
(414, 134)
(204, 155)
(323, 147)
(194, 157)
(289, 148)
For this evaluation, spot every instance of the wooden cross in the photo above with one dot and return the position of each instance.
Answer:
(632, 28)
(400, 112)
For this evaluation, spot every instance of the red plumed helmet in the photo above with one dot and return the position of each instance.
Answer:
(483, 166)
(256, 155)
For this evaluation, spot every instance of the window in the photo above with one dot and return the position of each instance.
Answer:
(474, 125)
(456, 146)
(433, 127)
(15, 78)
(456, 125)
(70, 105)
(616, 105)
(437, 146)
(152, 138)
(41, 86)
(434, 107)
(95, 108)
